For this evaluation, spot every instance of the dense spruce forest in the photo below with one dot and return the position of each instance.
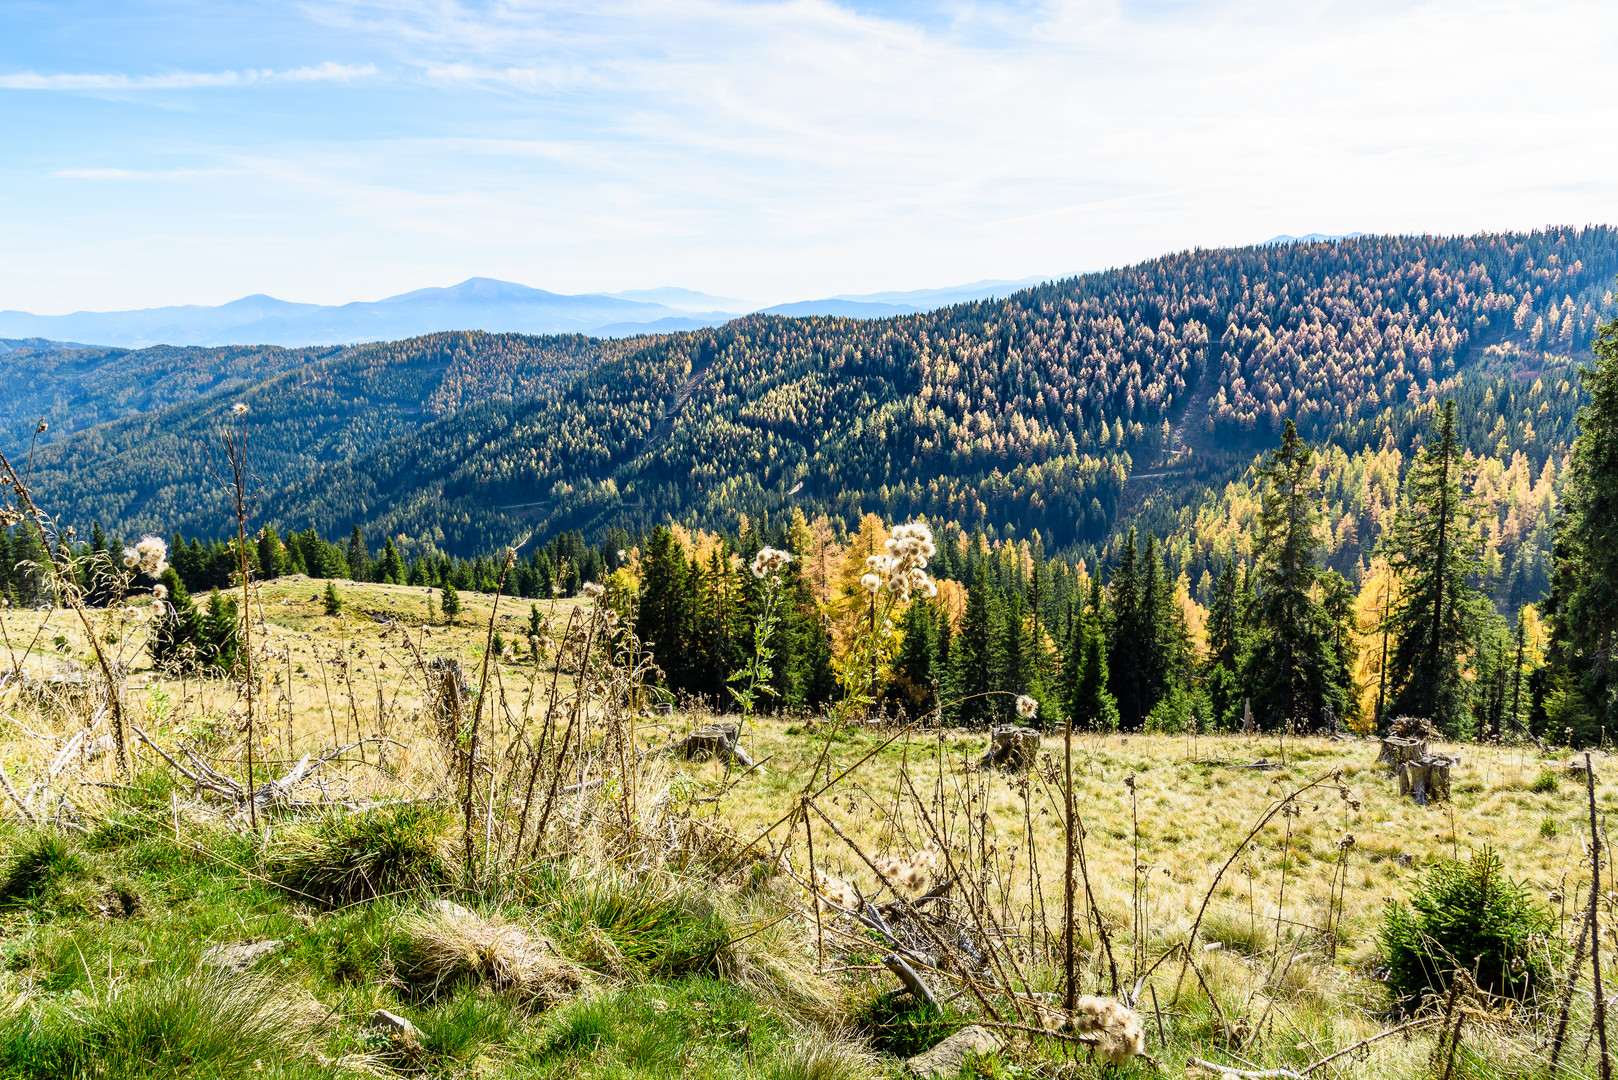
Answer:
(1161, 496)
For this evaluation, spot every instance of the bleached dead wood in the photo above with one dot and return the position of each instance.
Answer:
(1011, 747)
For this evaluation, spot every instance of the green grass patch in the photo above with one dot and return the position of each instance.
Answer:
(694, 1027)
(642, 928)
(175, 1024)
(344, 859)
(896, 1023)
(1545, 783)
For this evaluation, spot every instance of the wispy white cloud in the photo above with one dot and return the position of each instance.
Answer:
(186, 80)
(789, 148)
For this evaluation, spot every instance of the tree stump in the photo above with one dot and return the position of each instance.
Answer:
(715, 741)
(1398, 749)
(1412, 727)
(1426, 779)
(1011, 747)
(1577, 766)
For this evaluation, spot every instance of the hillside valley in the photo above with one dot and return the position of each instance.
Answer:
(1136, 395)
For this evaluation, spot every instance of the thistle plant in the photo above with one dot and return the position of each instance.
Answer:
(766, 567)
(889, 581)
(67, 572)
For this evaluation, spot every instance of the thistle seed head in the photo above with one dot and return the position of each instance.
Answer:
(768, 561)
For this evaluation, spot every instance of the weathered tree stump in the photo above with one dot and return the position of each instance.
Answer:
(1011, 747)
(1412, 727)
(715, 741)
(1398, 749)
(1426, 779)
(1577, 766)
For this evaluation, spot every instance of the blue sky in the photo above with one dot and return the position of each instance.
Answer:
(329, 151)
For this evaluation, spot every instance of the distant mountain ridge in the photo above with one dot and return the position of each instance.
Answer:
(474, 304)
(478, 303)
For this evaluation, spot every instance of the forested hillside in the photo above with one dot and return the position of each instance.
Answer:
(159, 471)
(1516, 424)
(1034, 412)
(75, 387)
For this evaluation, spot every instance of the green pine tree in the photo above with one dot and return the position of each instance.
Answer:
(1581, 679)
(334, 602)
(29, 575)
(219, 637)
(1010, 660)
(973, 653)
(1086, 699)
(393, 567)
(1225, 637)
(1291, 669)
(662, 618)
(450, 601)
(272, 557)
(177, 632)
(914, 670)
(1130, 654)
(1435, 547)
(359, 559)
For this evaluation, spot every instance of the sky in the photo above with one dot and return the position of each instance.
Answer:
(335, 150)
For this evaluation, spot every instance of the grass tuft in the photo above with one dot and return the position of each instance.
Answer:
(454, 948)
(1237, 932)
(187, 1024)
(46, 861)
(896, 1023)
(347, 858)
(644, 927)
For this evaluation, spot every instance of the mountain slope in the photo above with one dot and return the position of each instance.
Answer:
(1031, 411)
(159, 471)
(74, 387)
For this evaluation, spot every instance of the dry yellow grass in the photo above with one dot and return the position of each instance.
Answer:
(1162, 814)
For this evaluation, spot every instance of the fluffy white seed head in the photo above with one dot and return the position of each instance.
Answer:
(151, 554)
(769, 561)
(1027, 707)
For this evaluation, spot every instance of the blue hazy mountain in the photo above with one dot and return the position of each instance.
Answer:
(850, 309)
(474, 304)
(684, 299)
(928, 299)
(881, 305)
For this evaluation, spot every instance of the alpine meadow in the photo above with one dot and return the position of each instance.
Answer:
(1203, 667)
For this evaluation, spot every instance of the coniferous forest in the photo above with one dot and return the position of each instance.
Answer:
(1325, 483)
